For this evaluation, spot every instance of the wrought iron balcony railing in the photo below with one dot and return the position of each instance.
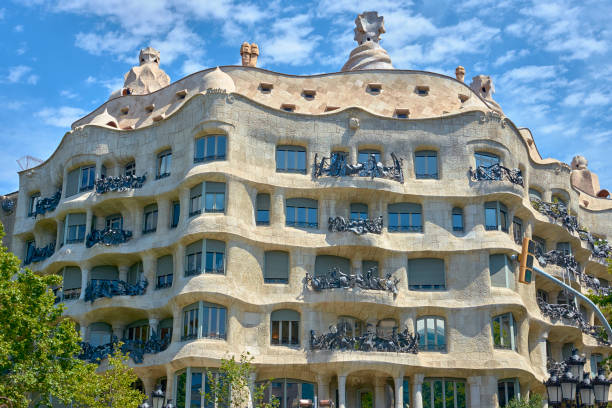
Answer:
(119, 183)
(593, 284)
(337, 166)
(47, 204)
(99, 288)
(335, 278)
(136, 348)
(107, 236)
(39, 254)
(570, 315)
(497, 172)
(338, 338)
(359, 227)
(164, 281)
(561, 259)
(62, 295)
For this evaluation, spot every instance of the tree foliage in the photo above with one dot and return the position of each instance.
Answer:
(38, 347)
(604, 302)
(534, 401)
(229, 386)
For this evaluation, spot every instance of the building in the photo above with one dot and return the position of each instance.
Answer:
(319, 222)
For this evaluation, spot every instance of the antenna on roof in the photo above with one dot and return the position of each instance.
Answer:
(27, 162)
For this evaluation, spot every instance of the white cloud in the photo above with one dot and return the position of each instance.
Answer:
(292, 41)
(68, 94)
(2, 13)
(509, 56)
(330, 7)
(529, 73)
(62, 117)
(21, 73)
(18, 28)
(110, 43)
(110, 84)
(180, 41)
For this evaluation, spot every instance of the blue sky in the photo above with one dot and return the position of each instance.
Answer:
(551, 62)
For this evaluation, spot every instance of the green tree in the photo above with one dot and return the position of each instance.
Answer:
(604, 302)
(534, 401)
(38, 347)
(230, 384)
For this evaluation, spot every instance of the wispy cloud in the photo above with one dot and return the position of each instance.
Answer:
(292, 41)
(510, 55)
(21, 73)
(61, 117)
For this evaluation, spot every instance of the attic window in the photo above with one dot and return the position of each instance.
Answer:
(463, 97)
(158, 118)
(181, 94)
(150, 108)
(287, 107)
(374, 89)
(265, 87)
(422, 90)
(402, 113)
(125, 110)
(331, 108)
(309, 94)
(112, 124)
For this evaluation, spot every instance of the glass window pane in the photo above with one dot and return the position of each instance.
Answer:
(312, 216)
(421, 332)
(263, 216)
(432, 165)
(491, 218)
(220, 202)
(199, 148)
(219, 262)
(280, 159)
(210, 202)
(181, 390)
(290, 215)
(213, 322)
(301, 160)
(210, 146)
(301, 215)
(457, 221)
(427, 394)
(449, 394)
(420, 165)
(221, 146)
(196, 388)
(431, 334)
(404, 220)
(393, 221)
(209, 265)
(275, 332)
(222, 320)
(416, 220)
(295, 337)
(292, 396)
(440, 334)
(438, 394)
(460, 389)
(284, 332)
(291, 160)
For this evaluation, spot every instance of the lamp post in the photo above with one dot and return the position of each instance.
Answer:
(567, 388)
(158, 396)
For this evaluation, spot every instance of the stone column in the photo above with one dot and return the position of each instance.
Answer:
(418, 390)
(149, 386)
(322, 386)
(123, 272)
(88, 221)
(149, 269)
(379, 392)
(488, 391)
(170, 384)
(153, 325)
(399, 391)
(179, 267)
(163, 215)
(277, 208)
(184, 200)
(342, 391)
(84, 281)
(474, 383)
(118, 330)
(540, 349)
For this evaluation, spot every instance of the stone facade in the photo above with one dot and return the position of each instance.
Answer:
(466, 353)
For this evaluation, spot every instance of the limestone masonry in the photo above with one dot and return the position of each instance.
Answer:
(353, 231)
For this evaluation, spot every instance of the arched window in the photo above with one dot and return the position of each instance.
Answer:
(285, 327)
(432, 333)
(204, 320)
(209, 148)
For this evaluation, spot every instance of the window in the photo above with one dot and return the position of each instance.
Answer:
(503, 329)
(385, 327)
(276, 267)
(164, 164)
(114, 222)
(359, 211)
(287, 107)
(364, 155)
(34, 198)
(75, 228)
(405, 217)
(150, 218)
(426, 274)
(87, 179)
(564, 247)
(517, 230)
(444, 393)
(325, 263)
(195, 200)
(135, 273)
(291, 159)
(130, 169)
(262, 211)
(209, 148)
(214, 197)
(402, 113)
(285, 327)
(104, 273)
(138, 331)
(422, 90)
(164, 274)
(165, 331)
(176, 213)
(556, 198)
(200, 385)
(501, 271)
(535, 194)
(565, 298)
(507, 390)
(486, 159)
(29, 252)
(457, 215)
(72, 182)
(432, 333)
(542, 294)
(540, 245)
(496, 216)
(370, 265)
(354, 327)
(374, 89)
(100, 334)
(301, 212)
(596, 361)
(288, 392)
(426, 164)
(71, 286)
(214, 261)
(212, 325)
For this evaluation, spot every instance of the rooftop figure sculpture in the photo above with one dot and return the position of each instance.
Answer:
(585, 180)
(249, 54)
(145, 78)
(483, 86)
(368, 54)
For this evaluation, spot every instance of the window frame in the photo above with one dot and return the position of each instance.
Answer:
(426, 154)
(368, 152)
(164, 162)
(90, 172)
(298, 150)
(457, 211)
(175, 216)
(278, 281)
(359, 211)
(262, 207)
(501, 216)
(291, 341)
(79, 229)
(423, 340)
(205, 158)
(509, 272)
(307, 212)
(516, 390)
(152, 215)
(200, 316)
(429, 385)
(513, 332)
(410, 217)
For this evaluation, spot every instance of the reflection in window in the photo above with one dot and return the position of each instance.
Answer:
(359, 211)
(291, 159)
(504, 332)
(444, 393)
(301, 212)
(164, 162)
(507, 390)
(285, 327)
(213, 324)
(457, 219)
(288, 392)
(75, 228)
(496, 216)
(432, 334)
(210, 148)
(88, 176)
(426, 164)
(262, 211)
(365, 154)
(405, 217)
(176, 212)
(486, 159)
(150, 218)
(215, 197)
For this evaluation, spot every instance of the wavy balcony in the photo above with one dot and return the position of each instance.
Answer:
(337, 166)
(39, 254)
(360, 226)
(100, 288)
(119, 184)
(136, 349)
(336, 279)
(47, 204)
(497, 172)
(107, 236)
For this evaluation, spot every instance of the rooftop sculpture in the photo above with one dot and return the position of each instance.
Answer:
(249, 54)
(144, 78)
(483, 86)
(368, 54)
(585, 180)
